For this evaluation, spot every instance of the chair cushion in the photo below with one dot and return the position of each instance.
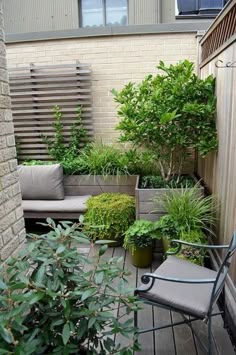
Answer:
(69, 204)
(193, 299)
(41, 182)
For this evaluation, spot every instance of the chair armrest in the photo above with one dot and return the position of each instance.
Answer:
(146, 278)
(180, 243)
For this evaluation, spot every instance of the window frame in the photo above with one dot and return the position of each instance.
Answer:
(196, 15)
(104, 13)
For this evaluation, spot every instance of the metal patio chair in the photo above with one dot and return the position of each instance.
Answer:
(186, 288)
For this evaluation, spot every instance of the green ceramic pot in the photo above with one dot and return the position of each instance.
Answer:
(142, 257)
(165, 244)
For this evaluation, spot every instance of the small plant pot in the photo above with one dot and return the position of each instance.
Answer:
(165, 244)
(142, 257)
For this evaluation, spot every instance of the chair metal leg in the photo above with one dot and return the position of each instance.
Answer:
(209, 337)
(136, 318)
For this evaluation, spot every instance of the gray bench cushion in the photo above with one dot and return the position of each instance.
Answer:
(41, 182)
(69, 204)
(190, 298)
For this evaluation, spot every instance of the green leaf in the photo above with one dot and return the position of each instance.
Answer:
(36, 297)
(51, 222)
(18, 286)
(66, 333)
(102, 250)
(6, 335)
(40, 274)
(87, 294)
(99, 278)
(60, 249)
(3, 286)
(167, 117)
(91, 322)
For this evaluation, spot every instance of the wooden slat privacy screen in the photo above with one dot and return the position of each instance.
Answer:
(35, 90)
(221, 31)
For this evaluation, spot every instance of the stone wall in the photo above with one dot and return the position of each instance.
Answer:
(12, 232)
(115, 60)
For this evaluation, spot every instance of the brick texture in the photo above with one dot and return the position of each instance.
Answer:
(115, 61)
(12, 230)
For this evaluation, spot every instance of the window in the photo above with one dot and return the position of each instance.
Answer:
(103, 13)
(200, 7)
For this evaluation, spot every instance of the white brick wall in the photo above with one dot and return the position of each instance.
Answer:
(115, 61)
(12, 231)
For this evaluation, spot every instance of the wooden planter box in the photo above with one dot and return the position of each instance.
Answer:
(95, 185)
(145, 205)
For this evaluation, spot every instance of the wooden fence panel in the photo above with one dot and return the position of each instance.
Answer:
(35, 90)
(219, 170)
(222, 29)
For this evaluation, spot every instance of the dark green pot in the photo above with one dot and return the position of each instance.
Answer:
(142, 257)
(165, 244)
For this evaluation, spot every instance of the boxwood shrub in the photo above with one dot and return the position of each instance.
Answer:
(111, 213)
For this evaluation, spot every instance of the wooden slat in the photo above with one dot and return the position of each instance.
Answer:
(220, 32)
(34, 92)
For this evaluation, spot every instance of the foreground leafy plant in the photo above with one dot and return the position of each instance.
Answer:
(168, 114)
(54, 301)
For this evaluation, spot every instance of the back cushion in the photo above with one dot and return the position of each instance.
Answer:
(41, 182)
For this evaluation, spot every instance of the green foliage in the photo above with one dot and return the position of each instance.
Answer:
(157, 182)
(140, 234)
(37, 162)
(189, 210)
(169, 113)
(54, 300)
(58, 149)
(141, 162)
(189, 217)
(101, 159)
(104, 159)
(195, 256)
(111, 213)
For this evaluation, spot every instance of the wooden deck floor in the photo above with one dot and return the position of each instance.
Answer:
(177, 340)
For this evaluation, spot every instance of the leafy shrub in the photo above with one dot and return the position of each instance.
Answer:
(101, 159)
(140, 234)
(168, 114)
(141, 162)
(54, 301)
(58, 149)
(112, 213)
(157, 182)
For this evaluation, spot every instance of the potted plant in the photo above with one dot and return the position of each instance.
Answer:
(52, 303)
(139, 241)
(171, 115)
(188, 217)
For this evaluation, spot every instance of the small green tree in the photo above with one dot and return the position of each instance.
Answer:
(58, 149)
(169, 114)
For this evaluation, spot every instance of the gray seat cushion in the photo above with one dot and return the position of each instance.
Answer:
(69, 204)
(41, 182)
(193, 299)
